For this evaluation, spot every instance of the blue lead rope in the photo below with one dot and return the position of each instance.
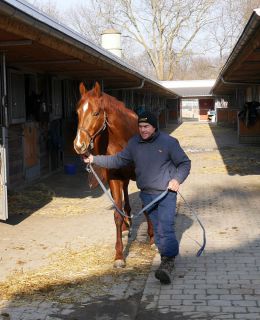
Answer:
(89, 168)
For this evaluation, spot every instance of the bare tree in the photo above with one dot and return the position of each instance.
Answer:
(49, 7)
(229, 19)
(246, 7)
(163, 29)
(86, 19)
(197, 67)
(159, 36)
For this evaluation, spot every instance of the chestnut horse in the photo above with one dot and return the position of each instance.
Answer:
(104, 127)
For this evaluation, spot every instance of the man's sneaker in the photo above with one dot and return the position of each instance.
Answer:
(163, 273)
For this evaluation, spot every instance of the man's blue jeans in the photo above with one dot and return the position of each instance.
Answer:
(162, 215)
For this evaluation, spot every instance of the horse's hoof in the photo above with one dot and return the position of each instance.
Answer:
(153, 247)
(125, 233)
(119, 264)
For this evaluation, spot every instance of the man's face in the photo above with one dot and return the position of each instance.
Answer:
(146, 130)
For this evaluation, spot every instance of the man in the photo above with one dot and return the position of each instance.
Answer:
(160, 164)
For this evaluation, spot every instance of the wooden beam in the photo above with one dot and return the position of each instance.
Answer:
(46, 62)
(15, 43)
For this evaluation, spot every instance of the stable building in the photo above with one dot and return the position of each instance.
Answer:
(196, 99)
(42, 64)
(237, 88)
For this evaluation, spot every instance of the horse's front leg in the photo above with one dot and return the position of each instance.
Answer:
(150, 230)
(116, 190)
(127, 209)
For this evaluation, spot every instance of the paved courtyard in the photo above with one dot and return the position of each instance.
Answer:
(55, 244)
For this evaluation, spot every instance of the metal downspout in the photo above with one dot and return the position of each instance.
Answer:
(129, 88)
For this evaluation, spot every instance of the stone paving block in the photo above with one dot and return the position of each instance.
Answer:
(252, 297)
(172, 291)
(252, 316)
(217, 291)
(207, 297)
(223, 316)
(254, 309)
(231, 297)
(214, 309)
(183, 296)
(185, 286)
(195, 292)
(176, 303)
(245, 303)
(165, 296)
(182, 308)
(207, 287)
(220, 303)
(194, 302)
(234, 309)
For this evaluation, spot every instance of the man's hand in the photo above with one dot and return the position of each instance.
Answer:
(173, 185)
(88, 159)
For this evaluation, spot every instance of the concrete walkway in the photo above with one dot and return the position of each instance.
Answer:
(223, 188)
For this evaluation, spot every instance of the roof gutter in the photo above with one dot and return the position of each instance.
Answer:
(25, 12)
(238, 82)
(129, 88)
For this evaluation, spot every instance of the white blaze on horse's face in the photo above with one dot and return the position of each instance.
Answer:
(78, 143)
(85, 107)
(78, 139)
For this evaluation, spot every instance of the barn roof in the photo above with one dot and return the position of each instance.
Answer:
(39, 43)
(190, 88)
(243, 64)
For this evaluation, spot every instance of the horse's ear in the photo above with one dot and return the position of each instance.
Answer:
(97, 90)
(82, 89)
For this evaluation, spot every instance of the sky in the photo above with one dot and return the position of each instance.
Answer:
(63, 5)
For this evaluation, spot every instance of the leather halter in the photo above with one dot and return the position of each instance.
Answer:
(91, 138)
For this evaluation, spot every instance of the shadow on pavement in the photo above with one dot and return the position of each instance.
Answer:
(241, 159)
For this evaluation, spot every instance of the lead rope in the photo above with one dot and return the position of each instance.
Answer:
(89, 168)
(202, 227)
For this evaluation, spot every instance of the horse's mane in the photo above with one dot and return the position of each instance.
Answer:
(114, 105)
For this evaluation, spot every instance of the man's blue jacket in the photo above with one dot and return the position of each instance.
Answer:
(156, 161)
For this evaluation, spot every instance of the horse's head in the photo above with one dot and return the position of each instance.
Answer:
(91, 118)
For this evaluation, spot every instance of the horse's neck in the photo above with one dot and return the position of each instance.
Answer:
(121, 126)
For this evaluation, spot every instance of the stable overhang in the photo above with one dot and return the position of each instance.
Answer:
(34, 42)
(192, 89)
(242, 67)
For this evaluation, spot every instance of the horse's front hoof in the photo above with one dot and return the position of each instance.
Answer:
(125, 233)
(153, 247)
(119, 264)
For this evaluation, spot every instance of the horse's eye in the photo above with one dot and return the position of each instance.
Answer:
(95, 114)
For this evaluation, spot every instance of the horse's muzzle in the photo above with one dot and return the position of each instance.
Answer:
(80, 149)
